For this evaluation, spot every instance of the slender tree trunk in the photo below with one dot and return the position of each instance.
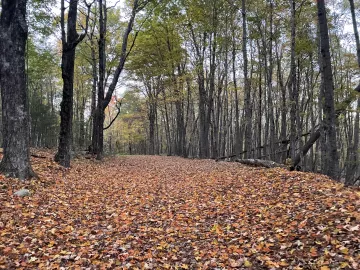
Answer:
(354, 151)
(292, 84)
(238, 147)
(203, 134)
(152, 114)
(98, 143)
(356, 33)
(283, 128)
(247, 99)
(15, 110)
(270, 70)
(179, 105)
(82, 124)
(260, 112)
(94, 129)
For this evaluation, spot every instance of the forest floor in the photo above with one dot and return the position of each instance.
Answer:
(152, 212)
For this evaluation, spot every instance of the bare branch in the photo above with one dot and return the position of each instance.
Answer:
(117, 2)
(118, 106)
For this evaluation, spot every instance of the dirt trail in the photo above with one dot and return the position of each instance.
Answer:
(150, 212)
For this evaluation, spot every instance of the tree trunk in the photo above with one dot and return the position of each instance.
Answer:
(247, 98)
(98, 140)
(82, 124)
(69, 43)
(103, 101)
(179, 106)
(269, 73)
(292, 84)
(238, 147)
(15, 110)
(151, 115)
(331, 158)
(203, 134)
(94, 124)
(283, 128)
(354, 155)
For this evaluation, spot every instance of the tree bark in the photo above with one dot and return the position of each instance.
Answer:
(152, 118)
(331, 158)
(99, 118)
(15, 110)
(103, 101)
(354, 155)
(292, 85)
(180, 124)
(238, 147)
(69, 42)
(270, 70)
(247, 98)
(283, 128)
(82, 137)
(94, 124)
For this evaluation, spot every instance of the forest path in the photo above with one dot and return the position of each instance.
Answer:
(152, 212)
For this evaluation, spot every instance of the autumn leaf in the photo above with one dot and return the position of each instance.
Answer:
(153, 212)
(247, 263)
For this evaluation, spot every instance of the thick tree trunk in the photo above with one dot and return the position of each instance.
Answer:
(15, 111)
(66, 113)
(331, 158)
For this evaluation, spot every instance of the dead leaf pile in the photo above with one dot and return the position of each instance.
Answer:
(147, 212)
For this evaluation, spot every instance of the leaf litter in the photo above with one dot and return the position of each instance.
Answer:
(153, 212)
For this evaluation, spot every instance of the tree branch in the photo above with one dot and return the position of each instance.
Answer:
(118, 106)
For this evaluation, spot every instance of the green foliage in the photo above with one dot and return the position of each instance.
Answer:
(43, 83)
(41, 19)
(131, 128)
(44, 122)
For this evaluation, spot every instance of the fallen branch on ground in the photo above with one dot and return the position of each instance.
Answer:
(33, 155)
(285, 141)
(261, 163)
(37, 156)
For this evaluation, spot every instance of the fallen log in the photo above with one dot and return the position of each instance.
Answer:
(32, 155)
(261, 163)
(285, 141)
(316, 133)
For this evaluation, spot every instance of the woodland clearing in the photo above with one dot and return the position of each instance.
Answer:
(155, 212)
